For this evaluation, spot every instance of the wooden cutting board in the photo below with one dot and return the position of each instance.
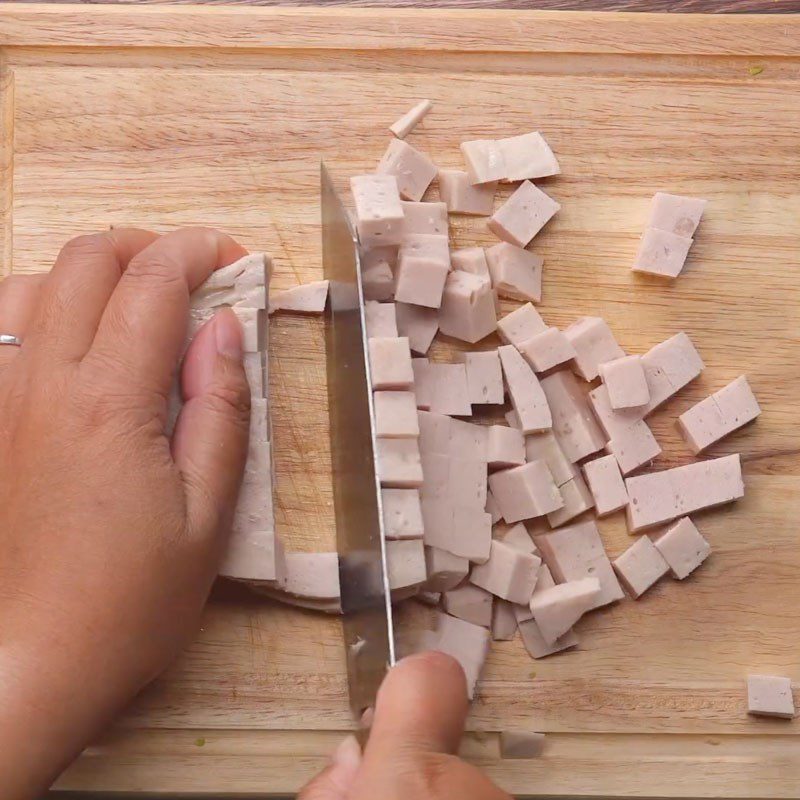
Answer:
(171, 116)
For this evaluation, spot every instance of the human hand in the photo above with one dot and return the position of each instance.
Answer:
(419, 720)
(110, 534)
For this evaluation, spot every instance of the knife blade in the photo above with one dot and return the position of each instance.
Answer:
(363, 575)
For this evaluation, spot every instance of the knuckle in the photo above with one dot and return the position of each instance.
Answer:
(161, 269)
(88, 245)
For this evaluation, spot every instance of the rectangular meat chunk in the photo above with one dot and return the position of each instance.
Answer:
(429, 218)
(405, 562)
(606, 485)
(390, 363)
(466, 643)
(520, 325)
(445, 570)
(547, 349)
(422, 266)
(413, 170)
(594, 344)
(640, 567)
(450, 392)
(418, 324)
(523, 215)
(484, 160)
(509, 573)
(661, 253)
(484, 377)
(515, 272)
(558, 608)
(544, 447)
(525, 492)
(395, 415)
(381, 320)
(504, 623)
(402, 514)
(379, 215)
(527, 157)
(676, 214)
(470, 603)
(527, 396)
(464, 197)
(470, 259)
(505, 447)
(399, 465)
(468, 307)
(626, 382)
(423, 383)
(683, 548)
(577, 499)
(770, 696)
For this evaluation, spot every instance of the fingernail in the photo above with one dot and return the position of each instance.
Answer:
(348, 754)
(228, 334)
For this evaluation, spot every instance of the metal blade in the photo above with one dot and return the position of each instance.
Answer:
(366, 602)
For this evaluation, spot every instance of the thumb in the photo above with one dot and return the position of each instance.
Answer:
(334, 782)
(211, 435)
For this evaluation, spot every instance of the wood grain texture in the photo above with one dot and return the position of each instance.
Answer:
(173, 132)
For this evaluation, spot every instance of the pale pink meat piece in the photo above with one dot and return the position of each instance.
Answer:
(390, 363)
(464, 197)
(527, 396)
(770, 696)
(254, 555)
(255, 367)
(640, 567)
(722, 413)
(594, 344)
(466, 643)
(544, 447)
(660, 497)
(418, 324)
(527, 157)
(434, 432)
(577, 499)
(535, 644)
(576, 551)
(395, 415)
(521, 744)
(399, 465)
(312, 575)
(379, 215)
(422, 266)
(683, 548)
(504, 623)
(509, 573)
(241, 284)
(450, 392)
(308, 298)
(669, 366)
(405, 561)
(606, 485)
(505, 447)
(520, 325)
(675, 213)
(470, 603)
(252, 320)
(402, 513)
(515, 272)
(405, 124)
(547, 349)
(468, 482)
(468, 440)
(378, 282)
(484, 160)
(661, 253)
(492, 509)
(470, 259)
(558, 608)
(423, 383)
(525, 492)
(484, 377)
(413, 170)
(429, 218)
(381, 319)
(523, 215)
(467, 307)
(517, 536)
(445, 570)
(626, 382)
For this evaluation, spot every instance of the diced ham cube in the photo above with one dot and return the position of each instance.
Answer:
(422, 266)
(423, 383)
(525, 492)
(520, 325)
(418, 324)
(517, 536)
(427, 218)
(661, 253)
(504, 623)
(626, 382)
(395, 415)
(434, 433)
(390, 363)
(405, 562)
(505, 447)
(523, 215)
(403, 126)
(471, 259)
(575, 552)
(606, 484)
(521, 744)
(526, 393)
(544, 447)
(450, 392)
(399, 465)
(669, 366)
(377, 282)
(468, 482)
(547, 349)
(312, 575)
(464, 197)
(640, 566)
(683, 548)
(516, 272)
(468, 440)
(466, 643)
(509, 573)
(577, 499)
(308, 298)
(527, 157)
(413, 170)
(484, 377)
(379, 215)
(594, 344)
(445, 570)
(557, 609)
(467, 309)
(402, 514)
(470, 603)
(381, 320)
(484, 160)
(492, 509)
(770, 696)
(535, 644)
(676, 214)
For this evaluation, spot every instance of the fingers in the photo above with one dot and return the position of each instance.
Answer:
(211, 435)
(143, 328)
(77, 289)
(19, 297)
(335, 782)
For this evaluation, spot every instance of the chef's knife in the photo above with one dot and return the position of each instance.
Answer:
(363, 575)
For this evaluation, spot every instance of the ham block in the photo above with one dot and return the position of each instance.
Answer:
(422, 266)
(466, 643)
(484, 377)
(536, 645)
(515, 272)
(413, 170)
(402, 514)
(403, 126)
(427, 218)
(660, 497)
(462, 197)
(470, 603)
(467, 481)
(770, 696)
(484, 161)
(606, 485)
(718, 415)
(676, 214)
(509, 573)
(669, 366)
(517, 536)
(381, 320)
(462, 531)
(379, 215)
(527, 396)
(418, 324)
(626, 382)
(527, 157)
(450, 392)
(445, 570)
(574, 425)
(308, 298)
(492, 509)
(377, 282)
(505, 447)
(520, 325)
(594, 344)
(423, 383)
(395, 415)
(504, 623)
(405, 562)
(253, 555)
(577, 499)
(547, 349)
(434, 433)
(468, 440)
(557, 609)
(640, 567)
(390, 363)
(314, 576)
(523, 215)
(545, 447)
(472, 260)
(661, 253)
(467, 307)
(683, 548)
(576, 552)
(399, 465)
(525, 492)
(521, 744)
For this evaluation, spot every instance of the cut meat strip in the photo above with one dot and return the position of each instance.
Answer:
(308, 298)
(523, 215)
(403, 126)
(526, 393)
(413, 170)
(418, 324)
(484, 377)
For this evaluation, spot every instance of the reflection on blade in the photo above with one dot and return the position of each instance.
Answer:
(366, 603)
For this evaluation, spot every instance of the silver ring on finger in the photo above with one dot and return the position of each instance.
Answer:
(10, 339)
